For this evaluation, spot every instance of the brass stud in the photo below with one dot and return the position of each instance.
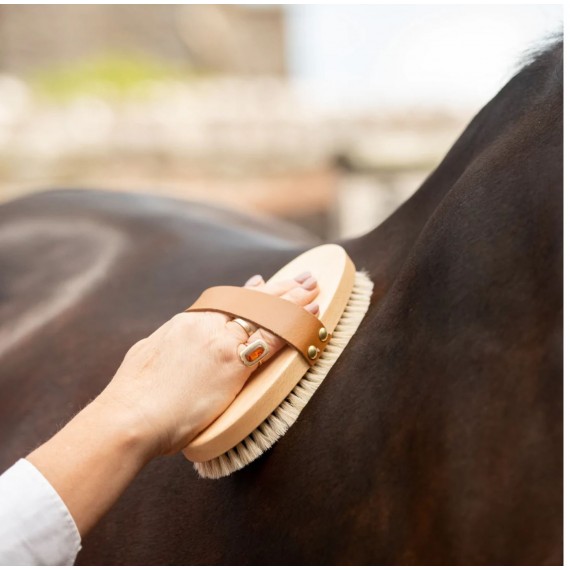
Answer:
(313, 351)
(323, 334)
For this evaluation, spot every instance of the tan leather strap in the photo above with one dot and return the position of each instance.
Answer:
(291, 322)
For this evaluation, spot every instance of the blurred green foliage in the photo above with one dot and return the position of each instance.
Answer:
(108, 75)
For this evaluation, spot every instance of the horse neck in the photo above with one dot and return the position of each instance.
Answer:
(534, 95)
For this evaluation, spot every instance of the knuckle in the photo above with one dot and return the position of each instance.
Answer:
(179, 319)
(138, 346)
(180, 323)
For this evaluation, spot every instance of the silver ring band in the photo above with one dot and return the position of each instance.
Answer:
(248, 327)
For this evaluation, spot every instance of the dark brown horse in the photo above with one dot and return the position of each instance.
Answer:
(436, 438)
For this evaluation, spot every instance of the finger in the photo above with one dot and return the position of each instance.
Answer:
(299, 295)
(279, 288)
(254, 281)
(241, 335)
(305, 286)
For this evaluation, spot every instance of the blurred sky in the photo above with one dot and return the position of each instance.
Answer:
(458, 56)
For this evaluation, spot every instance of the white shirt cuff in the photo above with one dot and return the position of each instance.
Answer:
(35, 526)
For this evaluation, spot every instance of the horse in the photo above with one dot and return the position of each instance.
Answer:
(437, 436)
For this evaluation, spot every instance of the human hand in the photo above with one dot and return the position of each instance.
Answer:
(183, 376)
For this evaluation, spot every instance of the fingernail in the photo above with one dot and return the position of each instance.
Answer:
(255, 280)
(313, 308)
(302, 276)
(310, 284)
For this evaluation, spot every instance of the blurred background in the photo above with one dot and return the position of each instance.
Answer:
(326, 116)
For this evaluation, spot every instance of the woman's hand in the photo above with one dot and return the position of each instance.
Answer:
(184, 375)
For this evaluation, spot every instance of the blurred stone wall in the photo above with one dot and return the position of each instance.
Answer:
(244, 137)
(221, 38)
(247, 143)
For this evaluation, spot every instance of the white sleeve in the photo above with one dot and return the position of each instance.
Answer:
(35, 526)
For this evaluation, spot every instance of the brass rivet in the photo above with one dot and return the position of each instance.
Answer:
(312, 352)
(323, 334)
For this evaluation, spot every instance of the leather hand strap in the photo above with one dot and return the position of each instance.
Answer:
(292, 323)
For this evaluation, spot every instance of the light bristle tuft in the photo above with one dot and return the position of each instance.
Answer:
(277, 424)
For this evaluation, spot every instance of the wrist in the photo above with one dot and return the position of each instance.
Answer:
(124, 429)
(93, 458)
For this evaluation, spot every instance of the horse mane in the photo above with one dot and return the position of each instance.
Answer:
(546, 56)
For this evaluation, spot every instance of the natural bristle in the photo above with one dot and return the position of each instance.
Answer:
(277, 424)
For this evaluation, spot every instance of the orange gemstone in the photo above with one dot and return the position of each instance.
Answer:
(254, 354)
